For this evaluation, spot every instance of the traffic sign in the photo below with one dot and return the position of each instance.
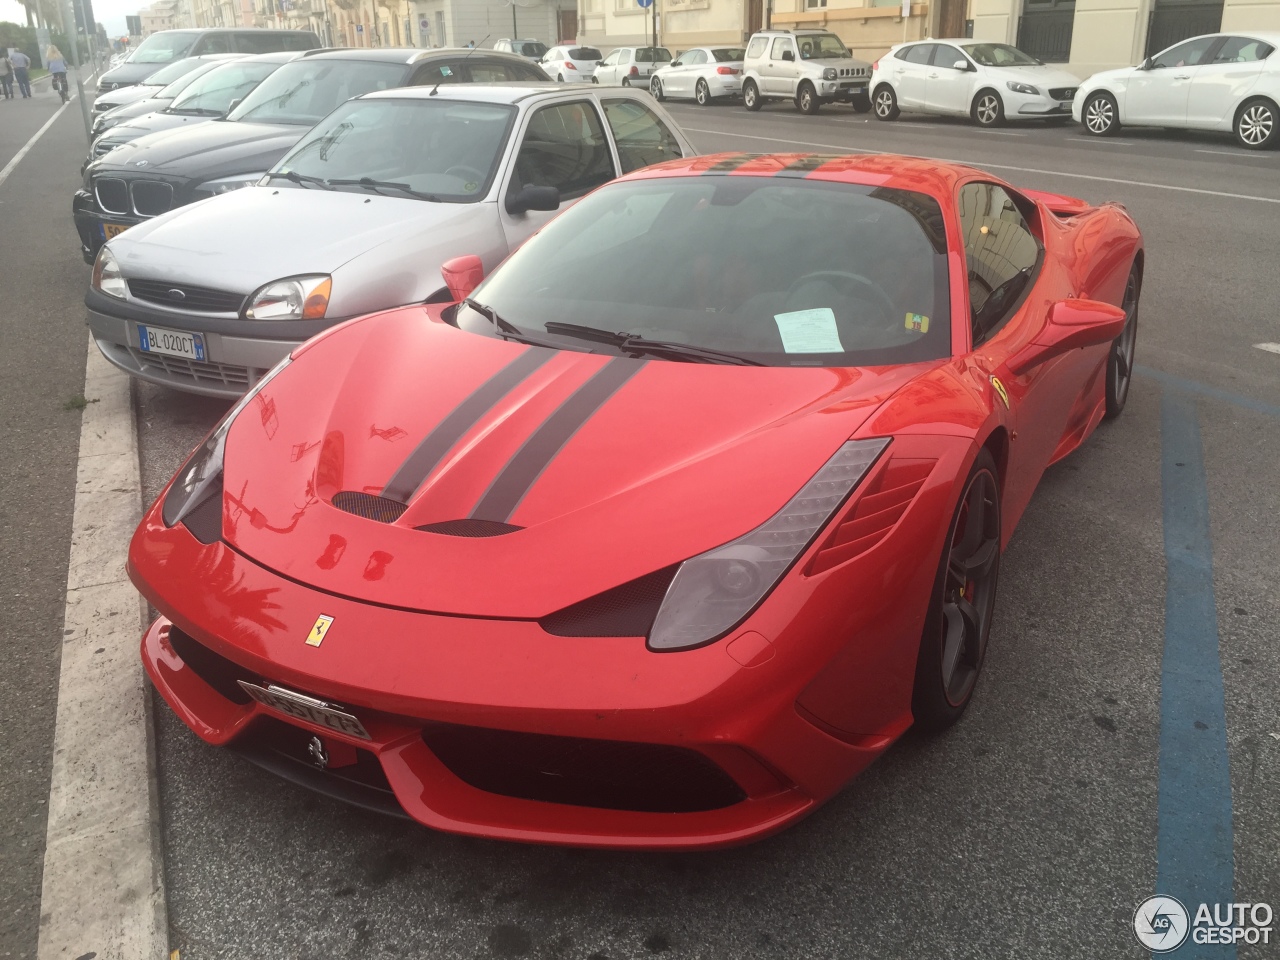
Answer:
(645, 4)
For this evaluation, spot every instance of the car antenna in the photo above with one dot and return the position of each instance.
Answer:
(463, 60)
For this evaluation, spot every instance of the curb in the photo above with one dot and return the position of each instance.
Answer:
(103, 888)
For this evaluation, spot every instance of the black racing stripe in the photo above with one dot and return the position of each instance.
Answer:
(803, 166)
(536, 453)
(731, 163)
(465, 415)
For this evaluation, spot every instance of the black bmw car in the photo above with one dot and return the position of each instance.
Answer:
(155, 173)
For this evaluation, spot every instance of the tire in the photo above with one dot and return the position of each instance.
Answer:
(940, 695)
(1257, 125)
(655, 88)
(1101, 115)
(886, 103)
(702, 94)
(560, 79)
(1120, 360)
(626, 81)
(861, 105)
(807, 101)
(987, 109)
(751, 96)
(595, 80)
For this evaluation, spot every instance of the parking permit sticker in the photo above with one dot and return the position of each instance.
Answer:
(446, 71)
(809, 331)
(470, 186)
(917, 323)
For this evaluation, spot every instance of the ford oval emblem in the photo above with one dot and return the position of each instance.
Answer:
(176, 294)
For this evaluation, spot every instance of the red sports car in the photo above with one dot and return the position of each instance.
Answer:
(664, 530)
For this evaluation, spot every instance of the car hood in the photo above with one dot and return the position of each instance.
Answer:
(118, 98)
(1040, 75)
(138, 108)
(128, 73)
(842, 63)
(206, 149)
(154, 122)
(279, 232)
(584, 488)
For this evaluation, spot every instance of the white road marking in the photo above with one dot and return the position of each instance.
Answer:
(1099, 142)
(1001, 133)
(1269, 347)
(844, 148)
(1233, 153)
(103, 889)
(26, 147)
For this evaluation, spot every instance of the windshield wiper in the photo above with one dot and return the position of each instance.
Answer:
(378, 185)
(299, 178)
(197, 112)
(633, 343)
(505, 328)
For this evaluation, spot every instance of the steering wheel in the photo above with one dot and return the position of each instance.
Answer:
(842, 280)
(465, 173)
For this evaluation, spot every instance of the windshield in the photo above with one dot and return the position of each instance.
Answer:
(166, 75)
(211, 94)
(728, 54)
(163, 47)
(305, 91)
(998, 55)
(822, 46)
(653, 55)
(529, 48)
(445, 149)
(780, 272)
(176, 88)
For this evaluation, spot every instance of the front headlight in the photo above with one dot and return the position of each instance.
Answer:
(829, 73)
(106, 276)
(1023, 88)
(713, 592)
(227, 184)
(201, 476)
(298, 298)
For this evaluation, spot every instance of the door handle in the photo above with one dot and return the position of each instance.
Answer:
(933, 76)
(1182, 76)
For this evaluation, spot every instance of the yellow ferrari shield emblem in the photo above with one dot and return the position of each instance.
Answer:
(1000, 390)
(321, 627)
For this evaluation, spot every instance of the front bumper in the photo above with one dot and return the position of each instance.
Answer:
(1039, 107)
(91, 222)
(843, 91)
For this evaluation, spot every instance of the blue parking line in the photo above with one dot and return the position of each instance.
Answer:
(1204, 390)
(1195, 859)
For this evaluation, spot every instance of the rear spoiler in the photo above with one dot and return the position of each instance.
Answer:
(1056, 202)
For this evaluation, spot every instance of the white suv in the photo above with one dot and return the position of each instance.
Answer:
(811, 67)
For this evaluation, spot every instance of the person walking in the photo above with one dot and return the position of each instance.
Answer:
(6, 74)
(21, 64)
(57, 66)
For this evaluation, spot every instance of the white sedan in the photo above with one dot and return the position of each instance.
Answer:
(630, 66)
(703, 73)
(571, 64)
(1224, 81)
(990, 82)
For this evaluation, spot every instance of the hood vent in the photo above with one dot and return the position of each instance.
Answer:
(368, 506)
(469, 528)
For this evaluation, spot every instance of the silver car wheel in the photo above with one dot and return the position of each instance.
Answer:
(1099, 115)
(884, 103)
(988, 109)
(1256, 124)
(702, 93)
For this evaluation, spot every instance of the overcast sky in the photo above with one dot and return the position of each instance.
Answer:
(109, 13)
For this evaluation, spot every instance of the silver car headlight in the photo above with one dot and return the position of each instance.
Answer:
(1023, 88)
(714, 591)
(107, 277)
(227, 184)
(201, 476)
(297, 298)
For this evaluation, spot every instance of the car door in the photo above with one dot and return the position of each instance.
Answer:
(640, 135)
(687, 73)
(561, 145)
(605, 70)
(910, 68)
(1159, 94)
(1221, 83)
(551, 61)
(948, 90)
(780, 75)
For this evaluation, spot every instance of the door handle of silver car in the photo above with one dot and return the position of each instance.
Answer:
(1182, 76)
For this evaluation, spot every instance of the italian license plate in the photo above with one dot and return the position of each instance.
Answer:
(306, 708)
(172, 343)
(110, 230)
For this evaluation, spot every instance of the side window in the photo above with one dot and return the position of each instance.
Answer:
(213, 43)
(1001, 254)
(254, 42)
(1242, 50)
(755, 49)
(519, 72)
(564, 147)
(920, 53)
(444, 71)
(1187, 54)
(298, 41)
(642, 138)
(694, 57)
(781, 47)
(610, 60)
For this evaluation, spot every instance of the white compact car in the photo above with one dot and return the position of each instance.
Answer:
(703, 73)
(990, 82)
(1224, 81)
(630, 66)
(571, 63)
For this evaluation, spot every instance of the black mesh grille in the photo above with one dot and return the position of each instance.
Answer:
(294, 743)
(205, 521)
(470, 528)
(186, 296)
(151, 197)
(1062, 93)
(214, 669)
(112, 194)
(625, 611)
(611, 774)
(368, 506)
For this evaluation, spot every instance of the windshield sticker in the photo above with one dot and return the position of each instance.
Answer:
(917, 323)
(470, 186)
(446, 70)
(809, 331)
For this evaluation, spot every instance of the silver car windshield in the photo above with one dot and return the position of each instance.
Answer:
(822, 46)
(443, 150)
(782, 272)
(998, 55)
(211, 94)
(305, 91)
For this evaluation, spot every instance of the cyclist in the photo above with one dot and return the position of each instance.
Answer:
(57, 66)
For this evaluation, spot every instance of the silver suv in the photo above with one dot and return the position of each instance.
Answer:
(811, 67)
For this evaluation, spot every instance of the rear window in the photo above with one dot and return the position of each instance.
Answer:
(273, 41)
(584, 53)
(728, 54)
(305, 91)
(530, 48)
(653, 55)
(503, 71)
(755, 49)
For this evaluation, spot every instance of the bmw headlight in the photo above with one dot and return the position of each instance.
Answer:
(829, 73)
(227, 184)
(713, 592)
(201, 476)
(106, 276)
(298, 298)
(1023, 88)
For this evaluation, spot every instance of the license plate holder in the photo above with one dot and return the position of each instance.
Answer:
(301, 707)
(171, 343)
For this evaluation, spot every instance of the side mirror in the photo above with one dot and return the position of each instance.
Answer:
(962, 65)
(462, 275)
(1146, 64)
(788, 55)
(1072, 324)
(533, 198)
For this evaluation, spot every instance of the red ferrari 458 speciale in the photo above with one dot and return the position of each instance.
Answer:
(667, 528)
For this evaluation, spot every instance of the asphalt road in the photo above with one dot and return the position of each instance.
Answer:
(1030, 830)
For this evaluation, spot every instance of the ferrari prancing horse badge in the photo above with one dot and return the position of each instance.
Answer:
(322, 624)
(995, 383)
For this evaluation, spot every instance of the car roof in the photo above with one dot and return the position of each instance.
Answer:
(790, 33)
(512, 92)
(224, 30)
(409, 54)
(276, 56)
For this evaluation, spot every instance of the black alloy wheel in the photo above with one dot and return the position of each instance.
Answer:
(702, 93)
(958, 623)
(1120, 360)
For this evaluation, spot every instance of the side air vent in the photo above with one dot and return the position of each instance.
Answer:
(469, 528)
(625, 611)
(205, 521)
(368, 506)
(873, 516)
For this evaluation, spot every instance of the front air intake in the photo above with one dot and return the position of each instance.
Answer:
(369, 506)
(469, 527)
